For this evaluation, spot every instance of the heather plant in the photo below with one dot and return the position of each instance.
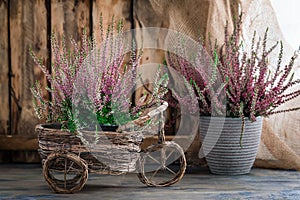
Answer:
(102, 73)
(92, 83)
(250, 86)
(65, 66)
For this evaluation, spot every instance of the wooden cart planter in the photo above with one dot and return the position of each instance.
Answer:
(67, 161)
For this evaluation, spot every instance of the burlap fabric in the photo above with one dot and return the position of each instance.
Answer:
(280, 146)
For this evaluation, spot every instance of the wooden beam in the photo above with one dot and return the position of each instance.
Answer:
(31, 142)
(17, 142)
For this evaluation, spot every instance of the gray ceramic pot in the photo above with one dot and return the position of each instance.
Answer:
(221, 145)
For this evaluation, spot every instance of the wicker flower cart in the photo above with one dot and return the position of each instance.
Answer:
(67, 160)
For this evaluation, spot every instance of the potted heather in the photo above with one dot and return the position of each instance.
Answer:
(91, 86)
(234, 94)
(68, 66)
(89, 80)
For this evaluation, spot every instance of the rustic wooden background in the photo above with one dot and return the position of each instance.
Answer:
(26, 24)
(29, 23)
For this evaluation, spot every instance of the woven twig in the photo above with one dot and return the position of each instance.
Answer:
(66, 163)
(119, 151)
(177, 176)
(142, 121)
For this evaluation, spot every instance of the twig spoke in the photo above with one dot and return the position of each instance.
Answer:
(155, 172)
(170, 170)
(70, 167)
(154, 159)
(170, 154)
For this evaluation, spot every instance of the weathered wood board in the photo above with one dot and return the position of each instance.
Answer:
(18, 143)
(28, 28)
(4, 69)
(119, 10)
(70, 19)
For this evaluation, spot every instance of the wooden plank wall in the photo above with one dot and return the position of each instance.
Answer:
(70, 18)
(27, 29)
(29, 23)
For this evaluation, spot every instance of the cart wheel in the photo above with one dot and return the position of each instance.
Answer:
(158, 164)
(65, 172)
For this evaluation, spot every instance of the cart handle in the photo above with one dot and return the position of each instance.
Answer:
(142, 120)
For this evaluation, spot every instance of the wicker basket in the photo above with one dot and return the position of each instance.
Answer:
(118, 153)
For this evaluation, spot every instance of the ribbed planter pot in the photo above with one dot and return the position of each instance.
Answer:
(224, 153)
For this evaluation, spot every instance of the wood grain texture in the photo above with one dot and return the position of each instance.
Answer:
(19, 156)
(146, 15)
(19, 143)
(27, 182)
(69, 19)
(119, 9)
(30, 142)
(28, 26)
(4, 69)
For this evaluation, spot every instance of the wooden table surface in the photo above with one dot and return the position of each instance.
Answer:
(25, 181)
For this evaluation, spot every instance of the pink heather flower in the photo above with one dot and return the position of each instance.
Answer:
(248, 82)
